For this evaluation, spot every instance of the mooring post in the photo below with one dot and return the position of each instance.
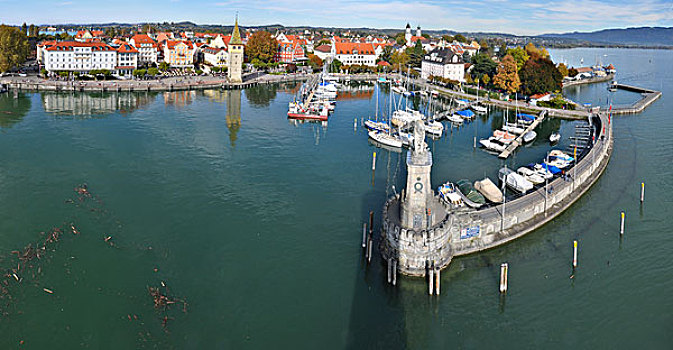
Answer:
(389, 268)
(394, 272)
(574, 253)
(621, 229)
(642, 192)
(437, 281)
(374, 162)
(364, 235)
(503, 277)
(430, 280)
(474, 142)
(369, 257)
(355, 123)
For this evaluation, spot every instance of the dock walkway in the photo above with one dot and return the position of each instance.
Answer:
(519, 140)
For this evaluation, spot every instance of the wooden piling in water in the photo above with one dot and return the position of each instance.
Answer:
(430, 280)
(394, 272)
(642, 192)
(503, 277)
(364, 235)
(574, 253)
(621, 227)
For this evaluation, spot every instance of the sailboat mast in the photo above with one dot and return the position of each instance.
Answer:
(376, 85)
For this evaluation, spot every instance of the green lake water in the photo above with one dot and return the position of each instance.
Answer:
(256, 223)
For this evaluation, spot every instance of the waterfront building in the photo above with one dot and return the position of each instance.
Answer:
(215, 56)
(179, 54)
(127, 59)
(236, 51)
(290, 48)
(354, 53)
(443, 62)
(323, 51)
(80, 57)
(147, 48)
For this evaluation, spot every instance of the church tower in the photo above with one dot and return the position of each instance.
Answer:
(407, 35)
(235, 56)
(418, 31)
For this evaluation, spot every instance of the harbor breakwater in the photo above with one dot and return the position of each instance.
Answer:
(465, 231)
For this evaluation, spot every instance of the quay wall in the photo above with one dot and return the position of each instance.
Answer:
(465, 231)
(592, 80)
(531, 211)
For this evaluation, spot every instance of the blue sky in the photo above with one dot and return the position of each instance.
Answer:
(516, 17)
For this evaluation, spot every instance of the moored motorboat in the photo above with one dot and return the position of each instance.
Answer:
(469, 194)
(504, 136)
(529, 136)
(455, 119)
(465, 114)
(530, 175)
(513, 128)
(434, 128)
(514, 180)
(493, 144)
(554, 137)
(489, 190)
(447, 192)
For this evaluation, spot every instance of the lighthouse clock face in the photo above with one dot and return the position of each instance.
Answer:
(418, 186)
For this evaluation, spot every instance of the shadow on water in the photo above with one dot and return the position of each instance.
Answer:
(375, 321)
(12, 110)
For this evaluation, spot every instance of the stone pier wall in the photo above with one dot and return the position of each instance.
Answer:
(478, 230)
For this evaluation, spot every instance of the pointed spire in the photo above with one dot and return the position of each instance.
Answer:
(236, 35)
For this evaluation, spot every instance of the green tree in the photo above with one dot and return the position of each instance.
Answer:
(415, 54)
(572, 72)
(520, 56)
(24, 28)
(387, 54)
(152, 71)
(507, 78)
(447, 38)
(483, 65)
(400, 39)
(399, 60)
(13, 47)
(466, 57)
(460, 38)
(335, 67)
(562, 69)
(164, 66)
(539, 76)
(261, 46)
(31, 30)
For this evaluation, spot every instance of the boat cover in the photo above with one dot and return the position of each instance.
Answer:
(466, 113)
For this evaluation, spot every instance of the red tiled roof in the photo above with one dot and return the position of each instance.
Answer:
(584, 70)
(172, 43)
(69, 45)
(142, 39)
(126, 48)
(323, 48)
(383, 63)
(348, 48)
(539, 96)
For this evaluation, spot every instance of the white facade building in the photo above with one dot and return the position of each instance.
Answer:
(443, 63)
(147, 48)
(354, 53)
(86, 56)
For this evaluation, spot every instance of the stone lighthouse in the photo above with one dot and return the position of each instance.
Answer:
(415, 236)
(235, 55)
(414, 213)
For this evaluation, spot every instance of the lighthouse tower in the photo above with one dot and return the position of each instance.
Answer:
(235, 56)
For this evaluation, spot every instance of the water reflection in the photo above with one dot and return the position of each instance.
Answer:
(179, 98)
(261, 95)
(12, 110)
(93, 104)
(233, 116)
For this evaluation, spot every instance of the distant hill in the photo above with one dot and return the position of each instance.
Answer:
(643, 36)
